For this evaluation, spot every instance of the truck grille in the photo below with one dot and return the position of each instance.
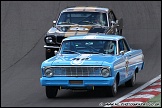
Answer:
(77, 71)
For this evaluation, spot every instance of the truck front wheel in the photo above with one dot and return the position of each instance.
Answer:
(51, 91)
(111, 91)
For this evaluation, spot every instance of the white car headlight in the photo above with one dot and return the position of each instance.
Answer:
(105, 71)
(48, 72)
(49, 40)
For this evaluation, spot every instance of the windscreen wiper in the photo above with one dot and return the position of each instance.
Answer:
(71, 51)
(91, 52)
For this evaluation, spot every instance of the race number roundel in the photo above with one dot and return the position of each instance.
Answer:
(126, 66)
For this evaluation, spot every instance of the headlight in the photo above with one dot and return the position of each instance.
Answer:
(48, 72)
(105, 72)
(48, 40)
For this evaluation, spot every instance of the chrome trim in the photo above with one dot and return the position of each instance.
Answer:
(45, 46)
(74, 66)
(119, 68)
(129, 66)
(45, 72)
(108, 68)
(136, 63)
(117, 47)
(77, 70)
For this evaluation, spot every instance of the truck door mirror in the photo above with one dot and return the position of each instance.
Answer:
(122, 52)
(54, 23)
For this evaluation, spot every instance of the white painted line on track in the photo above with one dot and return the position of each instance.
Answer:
(133, 102)
(158, 83)
(142, 96)
(136, 90)
(150, 90)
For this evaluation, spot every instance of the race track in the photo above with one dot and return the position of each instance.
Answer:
(23, 25)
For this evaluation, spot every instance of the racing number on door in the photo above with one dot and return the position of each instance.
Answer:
(126, 66)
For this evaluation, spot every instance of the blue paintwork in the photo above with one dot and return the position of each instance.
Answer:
(94, 60)
(87, 81)
(65, 59)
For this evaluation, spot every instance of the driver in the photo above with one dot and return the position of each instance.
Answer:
(108, 48)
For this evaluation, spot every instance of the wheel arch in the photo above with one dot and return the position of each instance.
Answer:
(117, 77)
(136, 70)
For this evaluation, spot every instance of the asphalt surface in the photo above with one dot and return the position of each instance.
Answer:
(23, 25)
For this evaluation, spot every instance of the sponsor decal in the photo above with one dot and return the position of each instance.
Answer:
(77, 30)
(91, 9)
(90, 37)
(126, 66)
(79, 60)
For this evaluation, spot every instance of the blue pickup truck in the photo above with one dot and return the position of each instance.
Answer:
(91, 61)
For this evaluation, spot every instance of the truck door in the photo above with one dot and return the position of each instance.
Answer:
(123, 46)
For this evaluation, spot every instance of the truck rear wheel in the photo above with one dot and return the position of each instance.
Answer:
(131, 82)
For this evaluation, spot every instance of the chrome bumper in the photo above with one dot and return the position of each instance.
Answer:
(45, 46)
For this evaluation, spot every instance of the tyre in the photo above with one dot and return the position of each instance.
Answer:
(112, 90)
(49, 54)
(131, 82)
(51, 91)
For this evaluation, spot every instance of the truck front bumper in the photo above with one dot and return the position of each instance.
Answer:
(76, 81)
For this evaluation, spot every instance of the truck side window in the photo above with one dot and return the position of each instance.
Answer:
(121, 46)
(125, 45)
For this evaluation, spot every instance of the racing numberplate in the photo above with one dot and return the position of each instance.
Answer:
(76, 81)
